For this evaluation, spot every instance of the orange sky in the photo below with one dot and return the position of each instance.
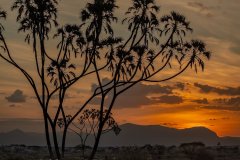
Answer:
(210, 99)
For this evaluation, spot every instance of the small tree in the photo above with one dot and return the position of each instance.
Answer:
(152, 46)
(204, 154)
(87, 126)
(192, 149)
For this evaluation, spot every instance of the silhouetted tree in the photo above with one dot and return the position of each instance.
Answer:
(192, 149)
(204, 154)
(152, 46)
(88, 124)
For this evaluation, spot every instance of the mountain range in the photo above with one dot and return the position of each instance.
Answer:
(130, 135)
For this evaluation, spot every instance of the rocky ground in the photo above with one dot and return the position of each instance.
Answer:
(148, 152)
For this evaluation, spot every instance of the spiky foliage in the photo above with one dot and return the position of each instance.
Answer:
(99, 14)
(3, 15)
(36, 17)
(176, 23)
(198, 55)
(143, 17)
(61, 73)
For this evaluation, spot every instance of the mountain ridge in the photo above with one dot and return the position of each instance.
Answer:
(130, 135)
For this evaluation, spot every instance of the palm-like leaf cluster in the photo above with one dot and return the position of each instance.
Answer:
(61, 72)
(177, 24)
(3, 15)
(198, 53)
(99, 14)
(143, 25)
(97, 18)
(72, 40)
(36, 16)
(143, 18)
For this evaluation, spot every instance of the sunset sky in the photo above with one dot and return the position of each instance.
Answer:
(210, 99)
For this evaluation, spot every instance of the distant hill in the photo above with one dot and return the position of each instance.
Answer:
(130, 135)
(19, 137)
(140, 135)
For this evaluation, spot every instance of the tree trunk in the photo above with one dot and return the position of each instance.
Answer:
(55, 140)
(48, 137)
(64, 141)
(97, 140)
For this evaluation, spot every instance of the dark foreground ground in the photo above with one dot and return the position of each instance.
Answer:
(21, 152)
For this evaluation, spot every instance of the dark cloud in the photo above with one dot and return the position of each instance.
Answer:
(104, 82)
(139, 88)
(170, 99)
(150, 89)
(235, 101)
(230, 104)
(140, 95)
(225, 118)
(222, 107)
(212, 119)
(17, 97)
(2, 93)
(201, 101)
(12, 105)
(15, 105)
(230, 91)
(215, 119)
(133, 101)
(236, 48)
(180, 86)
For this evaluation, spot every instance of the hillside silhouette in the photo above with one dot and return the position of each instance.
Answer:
(130, 135)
